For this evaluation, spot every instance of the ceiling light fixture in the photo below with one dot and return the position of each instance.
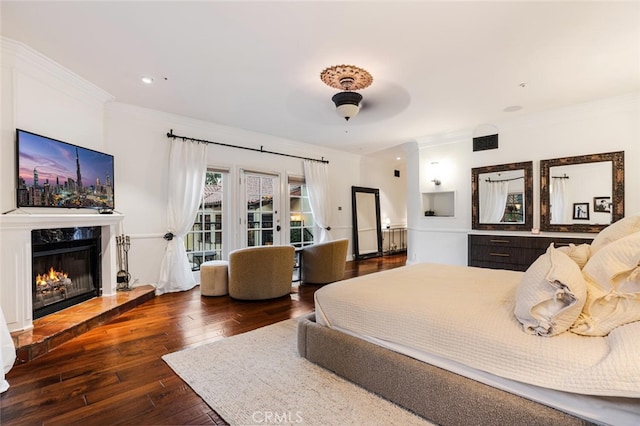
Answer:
(146, 79)
(346, 78)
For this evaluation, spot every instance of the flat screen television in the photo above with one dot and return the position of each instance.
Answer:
(53, 173)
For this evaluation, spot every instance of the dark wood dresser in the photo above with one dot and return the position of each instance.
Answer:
(514, 252)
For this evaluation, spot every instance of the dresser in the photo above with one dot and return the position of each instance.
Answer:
(514, 252)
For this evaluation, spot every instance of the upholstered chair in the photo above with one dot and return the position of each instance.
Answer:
(258, 273)
(325, 262)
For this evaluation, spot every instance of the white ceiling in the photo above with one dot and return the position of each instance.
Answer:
(438, 67)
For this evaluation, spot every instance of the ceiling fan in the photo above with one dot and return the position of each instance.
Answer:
(347, 78)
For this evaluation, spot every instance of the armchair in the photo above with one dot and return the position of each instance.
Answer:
(259, 273)
(325, 262)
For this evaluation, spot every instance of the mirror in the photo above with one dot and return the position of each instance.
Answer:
(502, 197)
(583, 193)
(367, 230)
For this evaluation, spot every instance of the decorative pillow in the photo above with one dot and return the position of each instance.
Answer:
(615, 231)
(613, 288)
(579, 254)
(551, 294)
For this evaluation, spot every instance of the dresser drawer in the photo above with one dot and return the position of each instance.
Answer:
(511, 252)
(511, 255)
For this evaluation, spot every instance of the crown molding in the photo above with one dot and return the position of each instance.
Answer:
(29, 61)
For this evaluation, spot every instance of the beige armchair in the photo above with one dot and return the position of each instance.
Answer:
(325, 262)
(258, 273)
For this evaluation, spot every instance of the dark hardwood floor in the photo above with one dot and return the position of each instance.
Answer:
(114, 374)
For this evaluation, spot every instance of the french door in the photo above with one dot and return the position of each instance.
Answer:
(261, 226)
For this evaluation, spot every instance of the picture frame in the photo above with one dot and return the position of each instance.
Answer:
(602, 204)
(581, 211)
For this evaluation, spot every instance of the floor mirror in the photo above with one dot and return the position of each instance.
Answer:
(367, 231)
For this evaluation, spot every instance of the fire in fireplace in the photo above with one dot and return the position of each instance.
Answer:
(65, 264)
(52, 285)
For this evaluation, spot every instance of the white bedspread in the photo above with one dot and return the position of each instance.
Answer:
(466, 314)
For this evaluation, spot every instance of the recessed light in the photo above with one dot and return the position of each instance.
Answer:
(398, 158)
(512, 108)
(146, 79)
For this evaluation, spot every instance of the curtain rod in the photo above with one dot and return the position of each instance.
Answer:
(170, 135)
(503, 180)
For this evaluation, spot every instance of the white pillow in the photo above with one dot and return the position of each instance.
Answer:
(615, 231)
(613, 288)
(550, 295)
(578, 253)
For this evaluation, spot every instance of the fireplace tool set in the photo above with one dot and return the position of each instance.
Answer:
(123, 277)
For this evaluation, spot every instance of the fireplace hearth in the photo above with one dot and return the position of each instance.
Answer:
(65, 267)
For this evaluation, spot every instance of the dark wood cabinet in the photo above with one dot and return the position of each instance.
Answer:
(514, 252)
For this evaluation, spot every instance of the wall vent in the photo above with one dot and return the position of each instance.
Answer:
(483, 143)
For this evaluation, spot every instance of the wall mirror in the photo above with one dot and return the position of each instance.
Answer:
(583, 193)
(367, 230)
(502, 197)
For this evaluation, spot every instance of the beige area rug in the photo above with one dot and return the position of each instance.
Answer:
(258, 378)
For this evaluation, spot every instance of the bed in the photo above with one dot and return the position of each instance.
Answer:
(444, 342)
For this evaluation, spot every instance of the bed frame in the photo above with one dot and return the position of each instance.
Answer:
(436, 394)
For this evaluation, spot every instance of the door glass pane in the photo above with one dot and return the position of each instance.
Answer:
(267, 237)
(253, 220)
(202, 243)
(295, 190)
(253, 238)
(260, 198)
(267, 220)
(300, 217)
(267, 203)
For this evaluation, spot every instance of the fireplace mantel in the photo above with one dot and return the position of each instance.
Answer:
(15, 256)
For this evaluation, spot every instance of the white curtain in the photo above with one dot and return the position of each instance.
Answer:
(557, 199)
(7, 352)
(187, 171)
(493, 202)
(316, 176)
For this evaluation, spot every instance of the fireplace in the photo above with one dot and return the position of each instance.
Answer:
(16, 256)
(65, 267)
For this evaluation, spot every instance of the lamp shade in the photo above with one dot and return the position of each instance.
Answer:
(347, 104)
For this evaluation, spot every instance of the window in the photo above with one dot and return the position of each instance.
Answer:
(513, 208)
(301, 220)
(204, 241)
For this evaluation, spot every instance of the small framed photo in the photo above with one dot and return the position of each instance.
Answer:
(602, 204)
(581, 211)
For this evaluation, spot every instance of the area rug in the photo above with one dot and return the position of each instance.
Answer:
(258, 378)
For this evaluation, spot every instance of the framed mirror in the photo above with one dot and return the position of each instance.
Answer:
(502, 197)
(367, 230)
(583, 193)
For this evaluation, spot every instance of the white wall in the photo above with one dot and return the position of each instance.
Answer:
(379, 173)
(607, 125)
(439, 239)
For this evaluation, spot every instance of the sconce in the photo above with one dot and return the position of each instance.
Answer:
(436, 170)
(387, 223)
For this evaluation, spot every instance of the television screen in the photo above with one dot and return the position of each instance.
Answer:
(52, 173)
